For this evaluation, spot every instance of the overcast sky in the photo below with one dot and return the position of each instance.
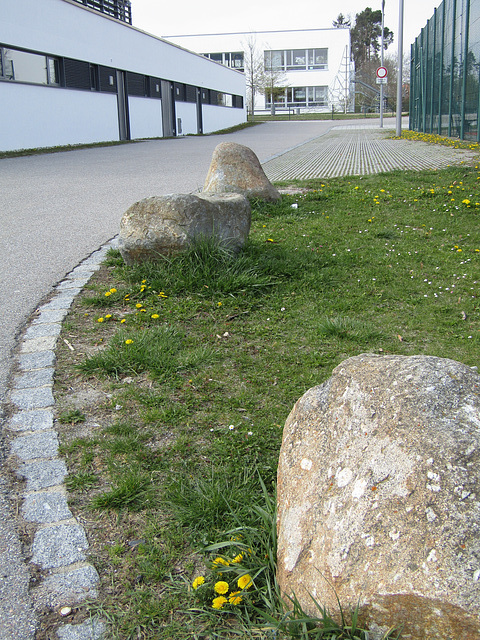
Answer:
(220, 16)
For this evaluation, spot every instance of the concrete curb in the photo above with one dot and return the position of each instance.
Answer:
(59, 545)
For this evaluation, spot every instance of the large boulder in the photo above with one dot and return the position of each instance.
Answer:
(163, 225)
(378, 496)
(236, 169)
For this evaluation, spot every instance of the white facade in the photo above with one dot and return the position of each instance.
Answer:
(311, 65)
(72, 75)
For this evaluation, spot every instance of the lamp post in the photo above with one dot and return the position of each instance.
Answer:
(399, 70)
(381, 63)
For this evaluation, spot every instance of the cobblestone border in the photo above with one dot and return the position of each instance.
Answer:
(60, 545)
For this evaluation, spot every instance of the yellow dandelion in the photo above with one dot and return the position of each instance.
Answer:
(122, 321)
(234, 598)
(113, 290)
(219, 602)
(101, 320)
(245, 582)
(109, 315)
(219, 561)
(108, 293)
(238, 558)
(198, 582)
(221, 587)
(154, 316)
(139, 305)
(129, 341)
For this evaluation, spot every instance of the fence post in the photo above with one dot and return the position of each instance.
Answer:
(452, 70)
(465, 72)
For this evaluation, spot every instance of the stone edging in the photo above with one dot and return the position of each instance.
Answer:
(59, 544)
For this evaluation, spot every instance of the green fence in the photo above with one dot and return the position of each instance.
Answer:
(445, 72)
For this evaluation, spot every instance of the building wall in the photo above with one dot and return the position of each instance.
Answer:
(53, 115)
(36, 116)
(335, 76)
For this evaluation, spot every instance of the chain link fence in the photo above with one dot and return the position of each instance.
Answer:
(445, 72)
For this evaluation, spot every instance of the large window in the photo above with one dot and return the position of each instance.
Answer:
(234, 59)
(300, 97)
(296, 59)
(28, 67)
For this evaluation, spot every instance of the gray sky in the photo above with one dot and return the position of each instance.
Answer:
(218, 16)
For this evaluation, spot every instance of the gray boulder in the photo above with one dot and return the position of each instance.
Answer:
(236, 169)
(164, 225)
(378, 496)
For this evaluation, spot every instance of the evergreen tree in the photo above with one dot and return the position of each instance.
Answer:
(341, 22)
(366, 35)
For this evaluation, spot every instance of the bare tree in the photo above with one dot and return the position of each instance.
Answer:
(254, 70)
(274, 82)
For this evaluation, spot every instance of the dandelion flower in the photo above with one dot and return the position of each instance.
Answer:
(198, 582)
(219, 602)
(101, 320)
(113, 290)
(245, 582)
(108, 293)
(221, 587)
(122, 321)
(129, 341)
(238, 558)
(109, 315)
(219, 561)
(139, 305)
(154, 316)
(234, 598)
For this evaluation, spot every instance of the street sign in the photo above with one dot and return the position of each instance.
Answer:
(382, 72)
(381, 80)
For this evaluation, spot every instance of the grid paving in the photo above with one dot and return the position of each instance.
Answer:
(360, 150)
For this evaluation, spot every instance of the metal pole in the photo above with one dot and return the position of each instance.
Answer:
(381, 64)
(399, 70)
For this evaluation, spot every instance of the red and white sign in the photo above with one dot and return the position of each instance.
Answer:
(382, 72)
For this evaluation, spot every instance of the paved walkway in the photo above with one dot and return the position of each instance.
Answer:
(360, 149)
(59, 542)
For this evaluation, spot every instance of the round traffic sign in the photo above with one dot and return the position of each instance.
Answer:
(382, 72)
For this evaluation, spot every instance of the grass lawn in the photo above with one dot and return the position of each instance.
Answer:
(172, 402)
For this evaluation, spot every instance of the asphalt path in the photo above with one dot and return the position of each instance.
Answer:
(56, 209)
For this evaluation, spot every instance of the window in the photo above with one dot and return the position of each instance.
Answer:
(29, 67)
(318, 96)
(237, 61)
(317, 58)
(296, 59)
(300, 97)
(234, 60)
(224, 99)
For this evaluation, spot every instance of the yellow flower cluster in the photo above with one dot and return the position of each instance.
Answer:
(221, 587)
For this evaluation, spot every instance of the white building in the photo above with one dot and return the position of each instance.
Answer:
(70, 74)
(313, 64)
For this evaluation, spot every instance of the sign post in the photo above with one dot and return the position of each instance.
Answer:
(381, 80)
(381, 62)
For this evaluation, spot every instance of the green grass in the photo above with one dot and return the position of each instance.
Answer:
(185, 451)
